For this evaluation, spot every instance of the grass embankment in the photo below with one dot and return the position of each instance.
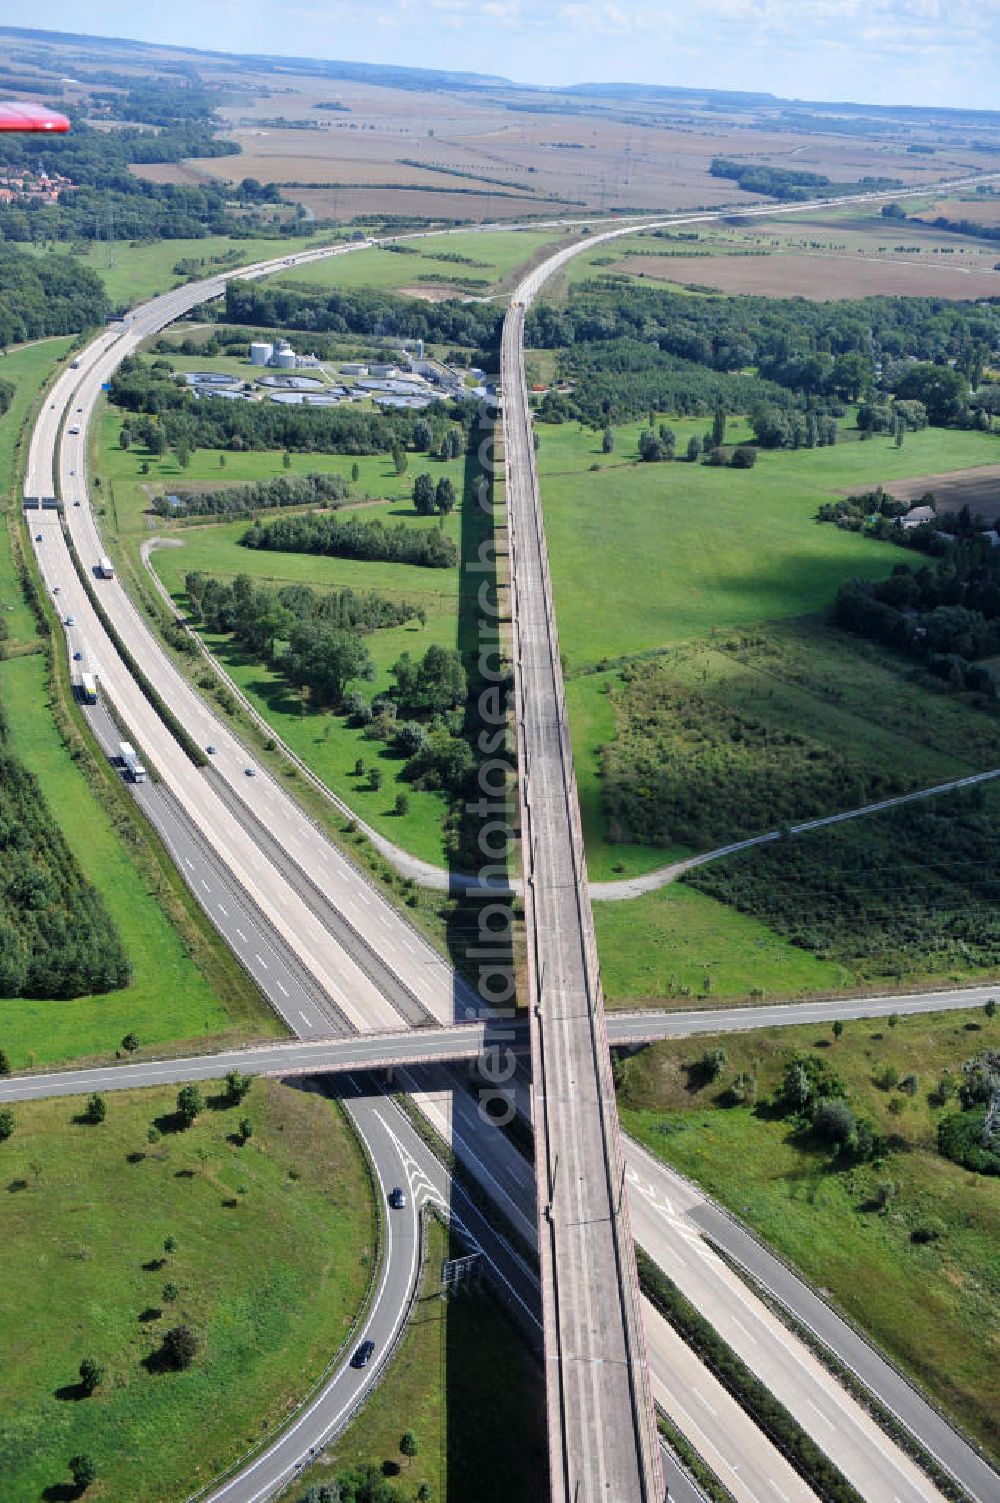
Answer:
(443, 1387)
(274, 1248)
(488, 259)
(185, 984)
(930, 1305)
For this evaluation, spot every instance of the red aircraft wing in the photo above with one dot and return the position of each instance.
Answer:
(18, 115)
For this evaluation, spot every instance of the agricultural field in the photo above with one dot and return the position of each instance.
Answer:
(907, 1245)
(978, 208)
(824, 276)
(451, 1349)
(455, 265)
(118, 1231)
(978, 489)
(509, 159)
(824, 256)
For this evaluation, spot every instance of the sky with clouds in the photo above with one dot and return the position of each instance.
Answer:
(944, 52)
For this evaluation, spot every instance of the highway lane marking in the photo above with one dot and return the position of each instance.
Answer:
(748, 1334)
(223, 911)
(242, 935)
(284, 992)
(188, 863)
(824, 1417)
(261, 961)
(204, 884)
(702, 1399)
(302, 1015)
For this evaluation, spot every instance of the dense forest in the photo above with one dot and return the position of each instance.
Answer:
(946, 612)
(106, 193)
(626, 348)
(56, 936)
(46, 295)
(349, 537)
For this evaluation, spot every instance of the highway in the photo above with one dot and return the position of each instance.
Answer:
(602, 1432)
(457, 1043)
(228, 813)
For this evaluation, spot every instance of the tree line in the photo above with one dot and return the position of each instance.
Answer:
(165, 414)
(57, 938)
(258, 495)
(792, 184)
(349, 537)
(945, 613)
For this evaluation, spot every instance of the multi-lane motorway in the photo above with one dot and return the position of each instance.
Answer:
(350, 959)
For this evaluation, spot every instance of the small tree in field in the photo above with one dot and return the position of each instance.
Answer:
(130, 1043)
(180, 1347)
(837, 1028)
(91, 1375)
(6, 1123)
(608, 441)
(83, 1471)
(4, 1062)
(237, 1086)
(96, 1109)
(408, 1445)
(189, 1104)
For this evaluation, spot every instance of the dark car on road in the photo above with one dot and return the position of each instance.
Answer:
(398, 1199)
(363, 1355)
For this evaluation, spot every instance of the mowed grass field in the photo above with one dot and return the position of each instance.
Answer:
(676, 945)
(275, 1248)
(932, 1306)
(326, 742)
(646, 555)
(495, 255)
(452, 1350)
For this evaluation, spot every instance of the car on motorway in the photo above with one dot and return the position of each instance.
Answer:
(364, 1354)
(74, 430)
(76, 503)
(251, 772)
(211, 750)
(79, 409)
(38, 537)
(398, 1199)
(70, 621)
(77, 657)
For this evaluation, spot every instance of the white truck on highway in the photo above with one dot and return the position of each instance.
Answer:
(134, 769)
(105, 568)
